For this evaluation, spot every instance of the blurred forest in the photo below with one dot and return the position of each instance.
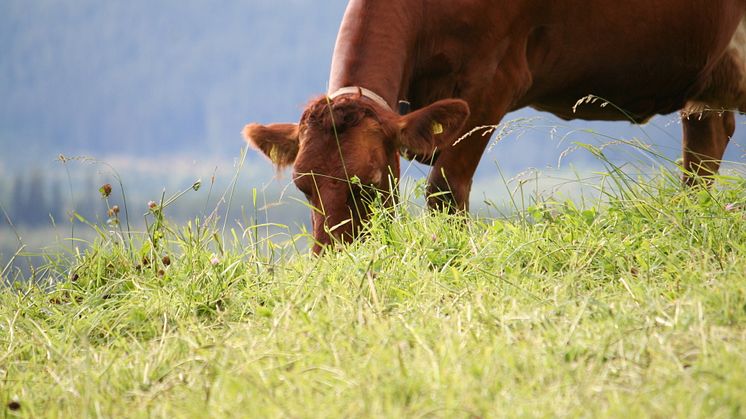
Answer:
(146, 78)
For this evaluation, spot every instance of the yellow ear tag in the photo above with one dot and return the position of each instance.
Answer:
(437, 128)
(274, 155)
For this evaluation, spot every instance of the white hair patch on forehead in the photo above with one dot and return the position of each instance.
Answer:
(377, 176)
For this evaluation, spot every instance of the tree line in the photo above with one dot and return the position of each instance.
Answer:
(35, 198)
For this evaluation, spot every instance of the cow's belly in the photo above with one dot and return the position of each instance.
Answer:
(597, 108)
(621, 92)
(609, 105)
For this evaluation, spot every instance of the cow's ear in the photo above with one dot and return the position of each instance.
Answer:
(279, 142)
(433, 127)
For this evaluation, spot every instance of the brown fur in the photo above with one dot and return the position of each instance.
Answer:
(279, 142)
(343, 113)
(417, 127)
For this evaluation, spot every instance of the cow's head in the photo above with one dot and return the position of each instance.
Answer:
(346, 149)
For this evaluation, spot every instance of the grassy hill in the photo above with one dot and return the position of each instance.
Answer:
(630, 304)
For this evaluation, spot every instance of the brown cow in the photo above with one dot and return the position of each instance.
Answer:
(466, 63)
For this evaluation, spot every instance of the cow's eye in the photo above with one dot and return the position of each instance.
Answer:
(305, 192)
(303, 186)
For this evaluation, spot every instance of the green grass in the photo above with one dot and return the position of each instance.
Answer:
(633, 305)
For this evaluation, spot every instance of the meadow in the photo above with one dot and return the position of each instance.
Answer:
(629, 300)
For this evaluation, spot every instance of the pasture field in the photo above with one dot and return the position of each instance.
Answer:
(632, 304)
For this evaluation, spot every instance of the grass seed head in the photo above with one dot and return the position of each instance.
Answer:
(105, 190)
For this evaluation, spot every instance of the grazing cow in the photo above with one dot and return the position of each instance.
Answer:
(466, 63)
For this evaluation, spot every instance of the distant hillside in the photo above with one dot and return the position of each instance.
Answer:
(142, 77)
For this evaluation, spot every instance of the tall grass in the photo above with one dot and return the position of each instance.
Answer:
(630, 301)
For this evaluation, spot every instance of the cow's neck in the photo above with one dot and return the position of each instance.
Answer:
(373, 47)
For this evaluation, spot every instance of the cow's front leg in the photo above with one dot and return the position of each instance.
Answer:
(449, 183)
(706, 135)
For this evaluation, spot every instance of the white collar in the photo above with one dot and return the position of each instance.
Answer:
(362, 92)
